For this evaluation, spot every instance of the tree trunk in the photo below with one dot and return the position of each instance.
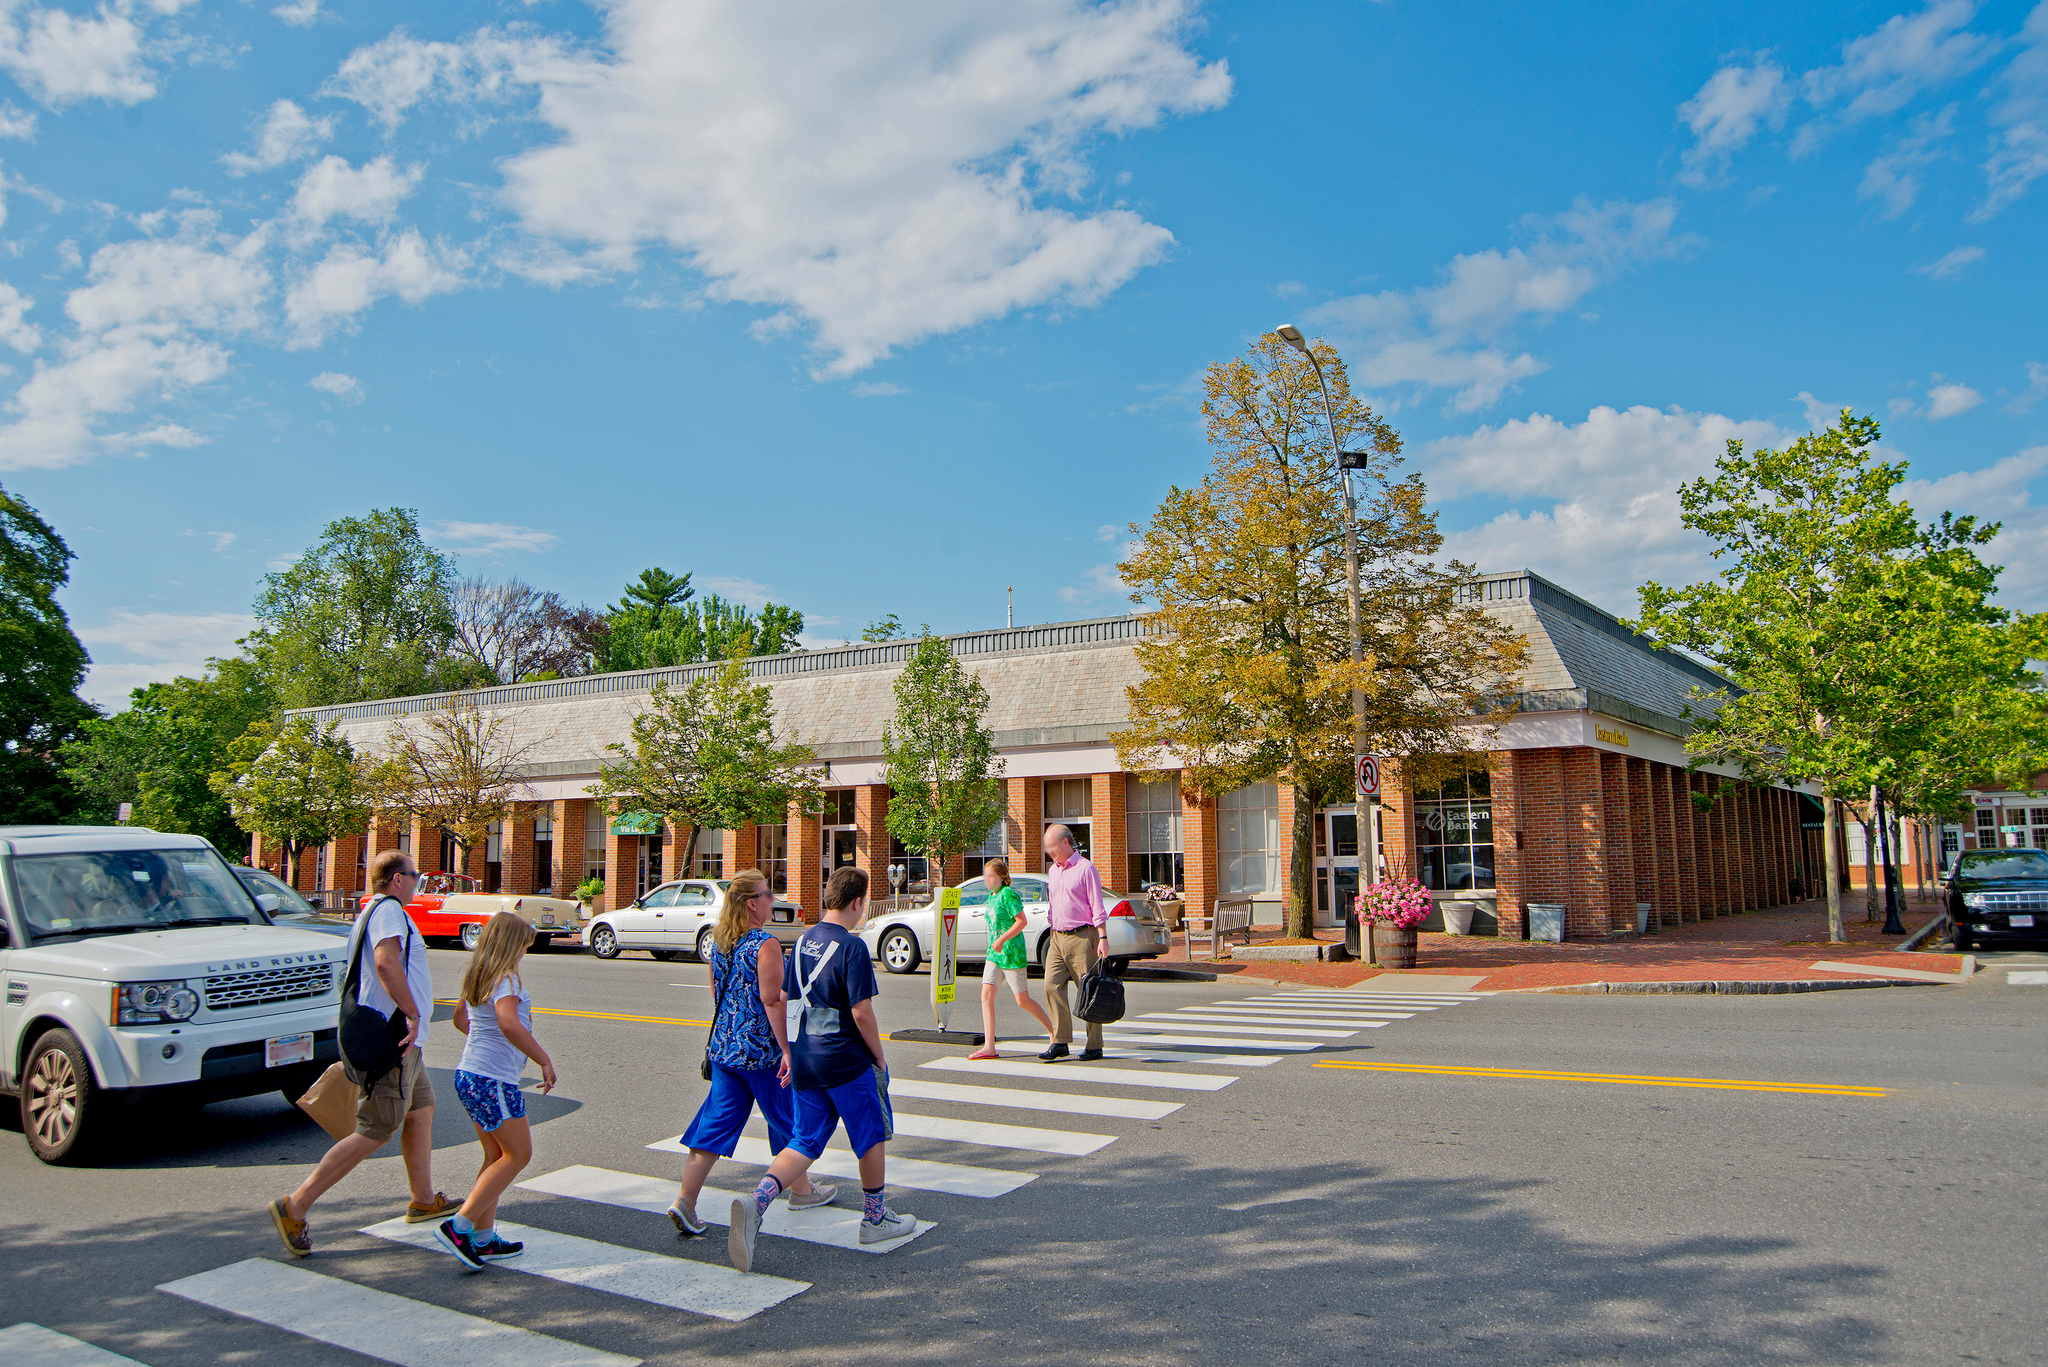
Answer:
(1301, 870)
(1831, 856)
(1869, 858)
(690, 851)
(292, 852)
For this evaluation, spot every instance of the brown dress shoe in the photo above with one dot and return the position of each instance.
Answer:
(440, 1208)
(293, 1232)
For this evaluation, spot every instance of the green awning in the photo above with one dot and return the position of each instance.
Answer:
(637, 823)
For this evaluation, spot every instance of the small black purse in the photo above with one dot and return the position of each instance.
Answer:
(717, 1005)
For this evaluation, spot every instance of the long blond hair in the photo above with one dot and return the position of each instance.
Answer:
(498, 950)
(733, 922)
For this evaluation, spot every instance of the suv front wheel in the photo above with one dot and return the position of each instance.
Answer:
(58, 1098)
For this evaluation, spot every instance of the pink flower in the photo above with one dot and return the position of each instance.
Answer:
(1403, 904)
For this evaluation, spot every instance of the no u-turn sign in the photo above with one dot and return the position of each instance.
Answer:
(1368, 776)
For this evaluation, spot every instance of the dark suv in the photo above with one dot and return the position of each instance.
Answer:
(1999, 893)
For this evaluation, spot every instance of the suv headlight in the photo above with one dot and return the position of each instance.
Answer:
(153, 1003)
(1975, 900)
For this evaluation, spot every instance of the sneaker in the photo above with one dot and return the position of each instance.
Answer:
(688, 1226)
(1053, 1051)
(820, 1196)
(890, 1226)
(739, 1236)
(498, 1250)
(460, 1244)
(440, 1208)
(293, 1232)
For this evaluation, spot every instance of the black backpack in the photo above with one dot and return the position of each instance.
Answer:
(368, 1038)
(1101, 998)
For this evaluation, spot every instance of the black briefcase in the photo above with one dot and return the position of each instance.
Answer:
(1101, 998)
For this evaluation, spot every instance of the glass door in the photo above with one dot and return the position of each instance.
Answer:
(1336, 836)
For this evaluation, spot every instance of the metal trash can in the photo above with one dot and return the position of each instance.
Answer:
(1546, 922)
(1643, 910)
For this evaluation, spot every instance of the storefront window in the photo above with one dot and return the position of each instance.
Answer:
(1152, 827)
(772, 842)
(593, 841)
(1068, 803)
(1454, 833)
(991, 847)
(1248, 836)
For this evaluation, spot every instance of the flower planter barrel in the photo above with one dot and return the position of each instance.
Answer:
(1393, 947)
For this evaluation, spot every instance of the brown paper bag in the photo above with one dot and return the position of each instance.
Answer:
(331, 1101)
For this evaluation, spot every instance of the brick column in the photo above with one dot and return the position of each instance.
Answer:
(871, 833)
(1397, 818)
(1199, 863)
(806, 885)
(1111, 840)
(1026, 825)
(515, 851)
(1586, 874)
(343, 859)
(1620, 839)
(1642, 826)
(1752, 850)
(738, 851)
(621, 866)
(1684, 844)
(1723, 842)
(1664, 831)
(1510, 892)
(568, 816)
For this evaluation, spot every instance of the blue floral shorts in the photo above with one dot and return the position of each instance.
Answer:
(490, 1103)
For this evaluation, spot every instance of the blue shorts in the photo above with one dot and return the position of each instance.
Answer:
(862, 1103)
(734, 1094)
(490, 1103)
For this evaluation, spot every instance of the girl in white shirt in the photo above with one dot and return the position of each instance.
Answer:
(496, 1014)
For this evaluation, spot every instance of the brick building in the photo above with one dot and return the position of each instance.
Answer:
(1581, 799)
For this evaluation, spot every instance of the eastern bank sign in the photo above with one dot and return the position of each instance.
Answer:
(1610, 735)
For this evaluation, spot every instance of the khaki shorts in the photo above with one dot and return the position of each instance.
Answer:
(393, 1096)
(993, 973)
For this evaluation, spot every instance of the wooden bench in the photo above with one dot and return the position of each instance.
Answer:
(1226, 916)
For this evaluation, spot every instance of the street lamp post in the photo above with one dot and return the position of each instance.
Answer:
(1347, 461)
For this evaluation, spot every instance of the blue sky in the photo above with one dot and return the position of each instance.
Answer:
(879, 308)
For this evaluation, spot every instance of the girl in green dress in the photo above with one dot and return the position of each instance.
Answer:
(1005, 961)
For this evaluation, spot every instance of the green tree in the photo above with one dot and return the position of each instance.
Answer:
(1866, 647)
(367, 613)
(945, 779)
(161, 751)
(457, 768)
(706, 756)
(659, 621)
(1249, 679)
(298, 784)
(885, 629)
(41, 666)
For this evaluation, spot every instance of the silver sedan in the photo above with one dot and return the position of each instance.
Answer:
(677, 919)
(904, 939)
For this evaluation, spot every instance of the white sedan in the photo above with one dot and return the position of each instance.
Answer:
(676, 919)
(904, 939)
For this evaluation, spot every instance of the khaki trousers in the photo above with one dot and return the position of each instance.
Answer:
(1069, 958)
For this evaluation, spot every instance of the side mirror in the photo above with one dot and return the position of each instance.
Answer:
(270, 902)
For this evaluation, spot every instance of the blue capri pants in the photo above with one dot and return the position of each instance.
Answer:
(734, 1094)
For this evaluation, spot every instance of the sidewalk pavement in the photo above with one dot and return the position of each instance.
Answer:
(1779, 945)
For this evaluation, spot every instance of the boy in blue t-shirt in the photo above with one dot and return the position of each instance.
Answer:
(837, 1071)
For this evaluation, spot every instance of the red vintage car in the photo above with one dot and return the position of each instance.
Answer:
(449, 906)
(429, 906)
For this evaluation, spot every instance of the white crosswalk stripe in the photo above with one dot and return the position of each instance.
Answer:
(1370, 1011)
(1152, 1056)
(1231, 1025)
(377, 1324)
(679, 1283)
(1116, 1106)
(955, 1179)
(1158, 1036)
(31, 1345)
(833, 1226)
(1085, 1072)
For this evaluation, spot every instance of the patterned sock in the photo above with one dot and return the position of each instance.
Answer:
(765, 1194)
(871, 1205)
(462, 1224)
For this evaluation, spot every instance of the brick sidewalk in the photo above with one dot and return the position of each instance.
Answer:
(1762, 946)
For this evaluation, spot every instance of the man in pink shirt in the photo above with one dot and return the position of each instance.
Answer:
(1079, 928)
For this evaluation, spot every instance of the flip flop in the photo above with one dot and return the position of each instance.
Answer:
(984, 1053)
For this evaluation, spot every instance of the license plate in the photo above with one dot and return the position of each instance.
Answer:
(288, 1049)
(2020, 922)
(547, 918)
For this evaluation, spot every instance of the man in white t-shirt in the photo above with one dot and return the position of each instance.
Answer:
(403, 1099)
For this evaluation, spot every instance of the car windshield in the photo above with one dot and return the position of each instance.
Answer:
(111, 892)
(261, 881)
(2003, 864)
(446, 884)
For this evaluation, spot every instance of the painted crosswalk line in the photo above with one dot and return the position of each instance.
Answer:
(680, 1283)
(1123, 1108)
(2026, 977)
(1099, 1074)
(1456, 998)
(1156, 1056)
(1229, 1025)
(1319, 1008)
(954, 1179)
(1345, 1022)
(376, 1324)
(989, 1134)
(833, 1226)
(31, 1345)
(1151, 1035)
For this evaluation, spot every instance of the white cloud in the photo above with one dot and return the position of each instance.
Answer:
(1882, 70)
(1891, 177)
(15, 331)
(16, 123)
(737, 590)
(2036, 390)
(1099, 581)
(168, 643)
(1600, 497)
(349, 279)
(61, 58)
(1108, 532)
(1947, 400)
(1999, 493)
(1735, 102)
(331, 188)
(346, 388)
(490, 538)
(221, 540)
(878, 390)
(875, 175)
(298, 13)
(2019, 156)
(1952, 264)
(288, 133)
(1449, 335)
(1819, 415)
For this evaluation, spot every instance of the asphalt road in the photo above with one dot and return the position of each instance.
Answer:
(1299, 1214)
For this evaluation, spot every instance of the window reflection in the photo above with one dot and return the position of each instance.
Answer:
(1454, 833)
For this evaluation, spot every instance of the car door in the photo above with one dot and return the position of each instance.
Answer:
(639, 925)
(696, 907)
(973, 932)
(1034, 893)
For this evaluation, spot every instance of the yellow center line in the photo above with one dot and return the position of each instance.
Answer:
(594, 1015)
(1631, 1079)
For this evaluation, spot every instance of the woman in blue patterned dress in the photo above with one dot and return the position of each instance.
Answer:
(748, 1052)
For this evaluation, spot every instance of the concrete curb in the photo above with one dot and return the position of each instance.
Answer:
(1756, 987)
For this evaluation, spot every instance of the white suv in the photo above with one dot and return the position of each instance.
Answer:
(137, 967)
